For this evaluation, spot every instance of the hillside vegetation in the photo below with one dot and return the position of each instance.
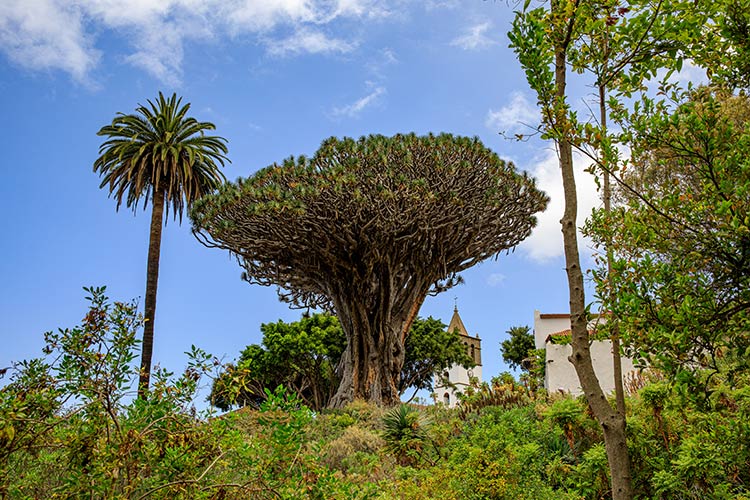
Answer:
(70, 428)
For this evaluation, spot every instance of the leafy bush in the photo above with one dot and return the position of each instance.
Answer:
(70, 427)
(682, 448)
(503, 391)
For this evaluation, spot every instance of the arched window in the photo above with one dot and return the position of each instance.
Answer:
(472, 353)
(447, 399)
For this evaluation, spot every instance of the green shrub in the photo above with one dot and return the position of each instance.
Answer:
(350, 450)
(70, 428)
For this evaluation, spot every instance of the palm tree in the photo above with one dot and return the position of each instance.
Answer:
(162, 155)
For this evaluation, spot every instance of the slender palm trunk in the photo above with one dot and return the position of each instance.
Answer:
(152, 278)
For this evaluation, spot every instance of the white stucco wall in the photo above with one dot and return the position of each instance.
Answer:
(546, 324)
(561, 376)
(459, 376)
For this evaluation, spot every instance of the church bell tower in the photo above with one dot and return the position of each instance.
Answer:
(457, 376)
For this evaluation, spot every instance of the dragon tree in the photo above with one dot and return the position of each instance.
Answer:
(367, 229)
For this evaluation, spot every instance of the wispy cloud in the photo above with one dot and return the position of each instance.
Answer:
(309, 41)
(368, 9)
(377, 68)
(355, 108)
(517, 114)
(379, 64)
(546, 242)
(61, 35)
(441, 4)
(475, 38)
(495, 279)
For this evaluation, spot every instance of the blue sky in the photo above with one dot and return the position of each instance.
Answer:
(276, 78)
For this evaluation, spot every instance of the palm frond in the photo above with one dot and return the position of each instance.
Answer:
(160, 148)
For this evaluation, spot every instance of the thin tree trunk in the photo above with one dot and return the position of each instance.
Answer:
(615, 329)
(152, 279)
(612, 423)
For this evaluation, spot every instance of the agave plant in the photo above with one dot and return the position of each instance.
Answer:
(405, 433)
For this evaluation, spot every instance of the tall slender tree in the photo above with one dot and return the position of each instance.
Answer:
(162, 155)
(623, 43)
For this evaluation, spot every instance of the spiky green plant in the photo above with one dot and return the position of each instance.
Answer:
(405, 432)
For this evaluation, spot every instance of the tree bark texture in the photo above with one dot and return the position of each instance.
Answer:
(152, 279)
(611, 421)
(376, 334)
(372, 362)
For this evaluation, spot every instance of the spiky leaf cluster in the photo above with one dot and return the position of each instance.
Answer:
(160, 148)
(372, 217)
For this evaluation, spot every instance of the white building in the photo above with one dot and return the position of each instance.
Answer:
(559, 373)
(458, 376)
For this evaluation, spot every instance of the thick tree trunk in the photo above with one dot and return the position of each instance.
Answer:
(152, 279)
(371, 365)
(611, 421)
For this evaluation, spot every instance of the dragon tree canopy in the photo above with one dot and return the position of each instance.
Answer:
(367, 228)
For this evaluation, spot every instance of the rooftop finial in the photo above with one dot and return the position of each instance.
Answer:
(455, 304)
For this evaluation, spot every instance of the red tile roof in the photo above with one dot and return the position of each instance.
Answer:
(563, 333)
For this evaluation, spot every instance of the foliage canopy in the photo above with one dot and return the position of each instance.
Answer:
(424, 208)
(682, 244)
(367, 228)
(301, 356)
(516, 349)
(160, 149)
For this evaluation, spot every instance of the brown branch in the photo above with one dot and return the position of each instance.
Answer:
(183, 481)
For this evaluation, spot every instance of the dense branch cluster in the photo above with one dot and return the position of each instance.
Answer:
(681, 240)
(373, 217)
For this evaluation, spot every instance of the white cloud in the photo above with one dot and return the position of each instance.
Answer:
(379, 64)
(59, 34)
(42, 34)
(475, 38)
(159, 52)
(690, 73)
(519, 114)
(308, 41)
(377, 67)
(370, 9)
(353, 109)
(389, 57)
(495, 279)
(257, 16)
(441, 4)
(546, 240)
